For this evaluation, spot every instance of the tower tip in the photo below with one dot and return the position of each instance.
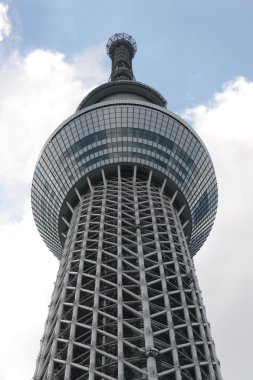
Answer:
(121, 48)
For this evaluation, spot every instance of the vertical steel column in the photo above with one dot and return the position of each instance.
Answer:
(148, 333)
(164, 285)
(119, 282)
(96, 292)
(55, 299)
(69, 252)
(192, 275)
(77, 290)
(182, 294)
(200, 309)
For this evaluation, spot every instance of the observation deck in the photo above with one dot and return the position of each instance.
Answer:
(123, 122)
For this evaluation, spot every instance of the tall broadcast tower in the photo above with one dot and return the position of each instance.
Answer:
(124, 194)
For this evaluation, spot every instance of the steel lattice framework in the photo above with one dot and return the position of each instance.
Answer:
(127, 303)
(124, 194)
(121, 48)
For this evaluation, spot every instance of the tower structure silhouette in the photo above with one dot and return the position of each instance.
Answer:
(124, 194)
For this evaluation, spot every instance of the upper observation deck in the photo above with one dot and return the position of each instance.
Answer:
(123, 123)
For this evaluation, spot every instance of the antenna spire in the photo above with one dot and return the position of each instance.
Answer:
(121, 48)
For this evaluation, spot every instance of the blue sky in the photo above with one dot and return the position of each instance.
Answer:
(187, 49)
(199, 55)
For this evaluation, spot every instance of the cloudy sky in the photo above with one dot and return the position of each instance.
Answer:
(199, 56)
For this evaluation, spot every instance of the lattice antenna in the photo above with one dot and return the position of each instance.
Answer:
(121, 48)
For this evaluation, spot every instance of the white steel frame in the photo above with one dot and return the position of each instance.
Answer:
(126, 303)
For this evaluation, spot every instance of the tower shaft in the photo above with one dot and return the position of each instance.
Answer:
(121, 48)
(126, 303)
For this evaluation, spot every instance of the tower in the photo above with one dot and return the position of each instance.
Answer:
(124, 194)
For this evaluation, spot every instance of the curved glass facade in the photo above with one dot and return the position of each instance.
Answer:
(123, 132)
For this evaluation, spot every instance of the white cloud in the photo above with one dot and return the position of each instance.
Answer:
(26, 283)
(38, 91)
(5, 24)
(225, 263)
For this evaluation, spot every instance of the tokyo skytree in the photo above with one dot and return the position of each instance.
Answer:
(124, 194)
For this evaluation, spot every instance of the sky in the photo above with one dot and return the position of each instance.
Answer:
(198, 54)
